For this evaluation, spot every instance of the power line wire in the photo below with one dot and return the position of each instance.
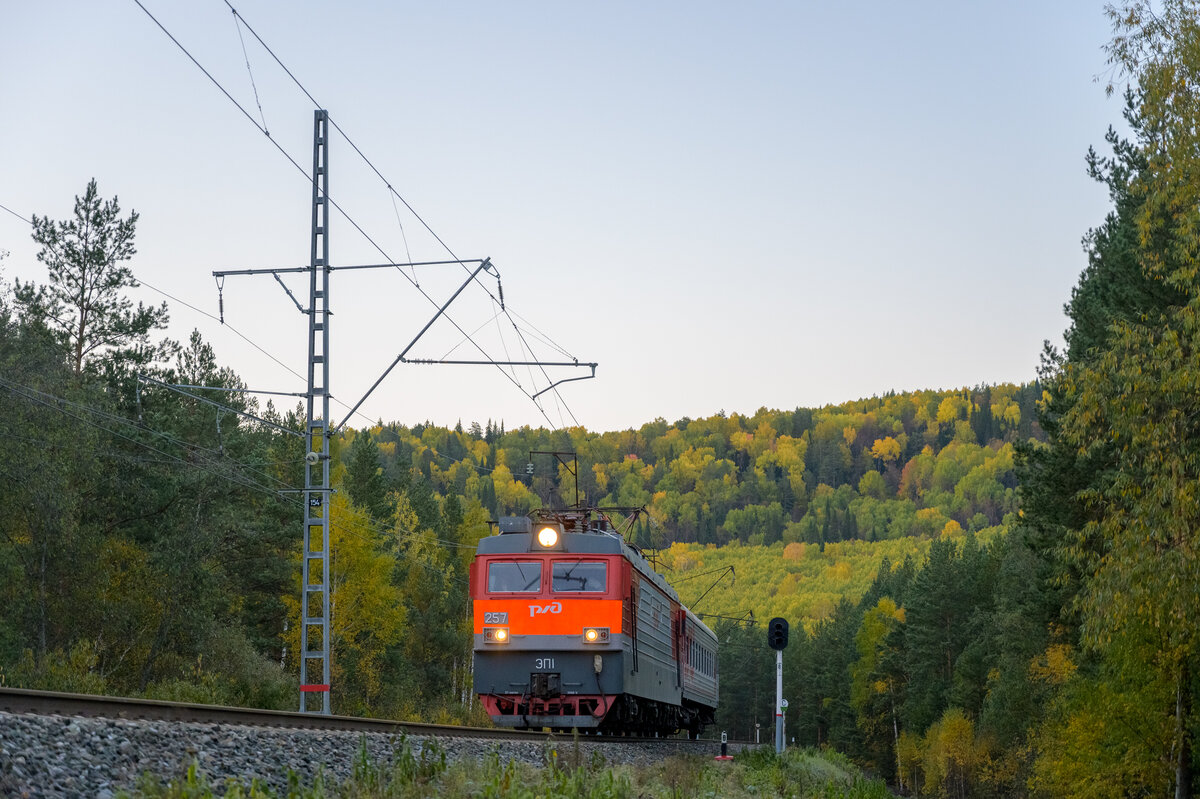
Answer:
(262, 129)
(204, 313)
(14, 213)
(253, 86)
(411, 210)
(251, 342)
(60, 404)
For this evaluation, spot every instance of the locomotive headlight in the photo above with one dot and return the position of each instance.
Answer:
(595, 635)
(547, 536)
(495, 635)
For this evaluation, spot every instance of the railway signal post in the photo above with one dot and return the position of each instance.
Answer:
(777, 639)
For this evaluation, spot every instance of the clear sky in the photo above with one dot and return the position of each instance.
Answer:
(727, 205)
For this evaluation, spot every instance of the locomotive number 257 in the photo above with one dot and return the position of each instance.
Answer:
(495, 617)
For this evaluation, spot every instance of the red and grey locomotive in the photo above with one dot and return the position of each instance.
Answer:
(574, 629)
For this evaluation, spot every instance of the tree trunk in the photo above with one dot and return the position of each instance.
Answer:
(41, 600)
(1183, 748)
(160, 638)
(896, 746)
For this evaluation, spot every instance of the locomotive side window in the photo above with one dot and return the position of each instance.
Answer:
(516, 577)
(580, 575)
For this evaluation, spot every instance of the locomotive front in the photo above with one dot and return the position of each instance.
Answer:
(549, 622)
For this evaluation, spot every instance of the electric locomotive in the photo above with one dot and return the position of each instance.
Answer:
(573, 628)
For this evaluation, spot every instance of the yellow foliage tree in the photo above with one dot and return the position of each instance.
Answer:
(366, 611)
(1054, 666)
(1100, 743)
(952, 529)
(950, 754)
(959, 744)
(874, 686)
(511, 495)
(951, 409)
(910, 753)
(886, 449)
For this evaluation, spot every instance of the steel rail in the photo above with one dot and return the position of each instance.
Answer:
(22, 700)
(44, 703)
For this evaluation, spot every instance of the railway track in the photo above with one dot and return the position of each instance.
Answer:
(59, 744)
(19, 700)
(69, 744)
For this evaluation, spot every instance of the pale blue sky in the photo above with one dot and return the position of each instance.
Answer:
(726, 205)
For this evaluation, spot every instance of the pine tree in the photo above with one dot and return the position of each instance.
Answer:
(84, 300)
(364, 480)
(936, 633)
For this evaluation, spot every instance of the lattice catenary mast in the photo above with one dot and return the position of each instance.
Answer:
(314, 609)
(316, 603)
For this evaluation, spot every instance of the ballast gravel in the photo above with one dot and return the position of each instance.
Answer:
(81, 756)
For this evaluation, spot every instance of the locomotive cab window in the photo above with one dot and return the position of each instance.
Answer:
(514, 577)
(580, 575)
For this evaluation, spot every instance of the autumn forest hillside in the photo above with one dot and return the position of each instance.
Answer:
(992, 589)
(907, 464)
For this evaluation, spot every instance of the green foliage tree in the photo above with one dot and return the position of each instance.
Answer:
(938, 608)
(1109, 500)
(47, 542)
(747, 669)
(877, 683)
(364, 480)
(367, 613)
(133, 499)
(84, 301)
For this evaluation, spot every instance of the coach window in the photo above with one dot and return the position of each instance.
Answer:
(514, 577)
(580, 575)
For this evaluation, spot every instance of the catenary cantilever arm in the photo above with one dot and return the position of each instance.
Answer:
(558, 383)
(485, 264)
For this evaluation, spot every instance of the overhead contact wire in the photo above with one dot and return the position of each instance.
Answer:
(411, 210)
(328, 198)
(253, 86)
(204, 313)
(350, 141)
(444, 457)
(403, 236)
(59, 404)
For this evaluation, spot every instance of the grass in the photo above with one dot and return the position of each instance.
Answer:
(802, 774)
